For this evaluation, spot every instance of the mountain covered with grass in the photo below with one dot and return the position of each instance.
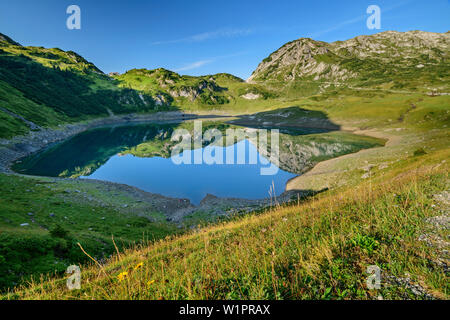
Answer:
(170, 87)
(413, 60)
(42, 87)
(220, 91)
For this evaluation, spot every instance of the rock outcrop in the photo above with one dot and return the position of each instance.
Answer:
(361, 58)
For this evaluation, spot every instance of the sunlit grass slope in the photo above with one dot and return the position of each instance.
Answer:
(317, 249)
(43, 219)
(374, 213)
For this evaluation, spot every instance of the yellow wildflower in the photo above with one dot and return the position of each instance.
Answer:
(122, 276)
(139, 265)
(150, 282)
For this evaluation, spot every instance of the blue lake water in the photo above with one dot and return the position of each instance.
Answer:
(140, 155)
(195, 181)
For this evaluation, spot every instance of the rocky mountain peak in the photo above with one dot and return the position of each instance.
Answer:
(310, 60)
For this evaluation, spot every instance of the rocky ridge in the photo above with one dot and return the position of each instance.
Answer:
(342, 61)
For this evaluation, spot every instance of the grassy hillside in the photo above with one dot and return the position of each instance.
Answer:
(314, 250)
(386, 206)
(381, 209)
(220, 92)
(43, 219)
(399, 61)
(42, 87)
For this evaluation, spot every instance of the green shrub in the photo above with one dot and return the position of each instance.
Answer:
(59, 232)
(419, 152)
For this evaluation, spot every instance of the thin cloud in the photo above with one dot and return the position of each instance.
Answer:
(194, 65)
(338, 26)
(200, 63)
(222, 33)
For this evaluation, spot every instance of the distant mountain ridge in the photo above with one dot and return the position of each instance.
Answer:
(42, 87)
(5, 38)
(387, 57)
(169, 87)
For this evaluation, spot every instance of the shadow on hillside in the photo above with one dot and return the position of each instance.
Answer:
(293, 119)
(75, 94)
(296, 195)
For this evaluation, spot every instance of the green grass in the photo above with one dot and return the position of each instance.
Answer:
(89, 214)
(318, 249)
(51, 86)
(14, 101)
(315, 249)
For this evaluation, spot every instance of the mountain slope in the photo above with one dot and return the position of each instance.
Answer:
(220, 91)
(389, 59)
(42, 87)
(168, 86)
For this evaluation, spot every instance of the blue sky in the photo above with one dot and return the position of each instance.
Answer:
(204, 37)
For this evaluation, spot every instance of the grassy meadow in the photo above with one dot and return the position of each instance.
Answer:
(316, 249)
(382, 200)
(378, 211)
